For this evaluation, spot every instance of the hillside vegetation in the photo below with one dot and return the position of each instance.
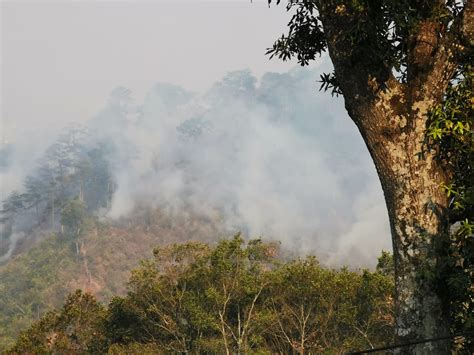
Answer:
(234, 297)
(97, 261)
(61, 231)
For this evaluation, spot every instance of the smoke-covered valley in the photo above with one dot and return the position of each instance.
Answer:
(266, 156)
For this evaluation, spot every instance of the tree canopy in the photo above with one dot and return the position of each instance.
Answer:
(235, 297)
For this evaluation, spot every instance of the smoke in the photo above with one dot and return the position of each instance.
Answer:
(268, 157)
(273, 157)
(14, 238)
(19, 157)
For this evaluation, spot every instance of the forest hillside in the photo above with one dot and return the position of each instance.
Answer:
(234, 297)
(97, 261)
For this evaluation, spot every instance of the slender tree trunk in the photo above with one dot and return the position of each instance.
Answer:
(52, 212)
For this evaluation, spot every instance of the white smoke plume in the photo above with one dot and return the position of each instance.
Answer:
(276, 158)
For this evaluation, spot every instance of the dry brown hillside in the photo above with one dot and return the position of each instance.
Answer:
(39, 278)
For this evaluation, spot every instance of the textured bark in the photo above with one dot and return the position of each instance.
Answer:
(416, 207)
(392, 119)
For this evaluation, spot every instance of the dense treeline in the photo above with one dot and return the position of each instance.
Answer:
(73, 173)
(235, 297)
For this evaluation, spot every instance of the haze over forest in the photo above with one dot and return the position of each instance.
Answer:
(273, 161)
(165, 186)
(266, 152)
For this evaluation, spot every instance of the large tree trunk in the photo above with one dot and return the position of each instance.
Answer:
(392, 118)
(394, 131)
(415, 204)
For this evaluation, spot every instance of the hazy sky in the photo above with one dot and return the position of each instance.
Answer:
(61, 59)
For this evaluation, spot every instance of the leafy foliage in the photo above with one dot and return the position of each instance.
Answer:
(39, 278)
(235, 297)
(382, 31)
(76, 328)
(73, 216)
(451, 134)
(33, 284)
(305, 38)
